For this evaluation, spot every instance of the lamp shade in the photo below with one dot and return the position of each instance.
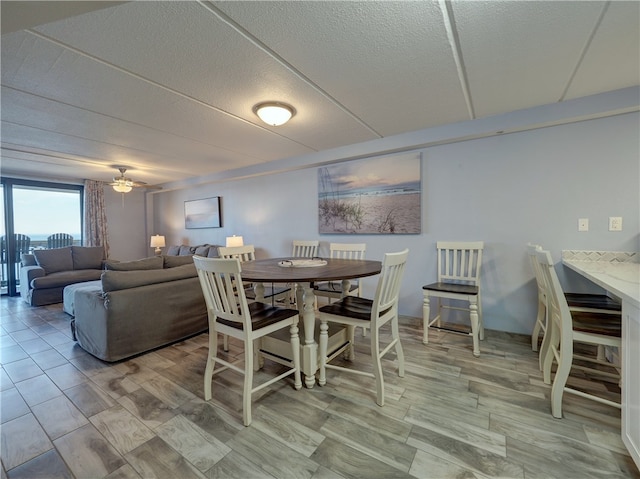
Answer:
(274, 113)
(234, 241)
(157, 242)
(122, 188)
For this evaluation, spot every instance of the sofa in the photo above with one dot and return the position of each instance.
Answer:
(45, 273)
(138, 306)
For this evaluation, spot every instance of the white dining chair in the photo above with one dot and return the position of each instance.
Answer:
(272, 293)
(230, 314)
(459, 265)
(301, 249)
(565, 327)
(332, 290)
(305, 248)
(586, 302)
(354, 311)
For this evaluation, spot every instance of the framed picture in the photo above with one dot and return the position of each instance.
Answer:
(203, 213)
(371, 196)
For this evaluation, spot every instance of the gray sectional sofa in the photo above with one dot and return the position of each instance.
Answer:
(138, 306)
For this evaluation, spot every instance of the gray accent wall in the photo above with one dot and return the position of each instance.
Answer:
(506, 190)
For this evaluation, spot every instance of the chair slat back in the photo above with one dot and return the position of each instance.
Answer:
(218, 278)
(347, 250)
(388, 289)
(305, 249)
(560, 320)
(59, 240)
(459, 262)
(243, 253)
(21, 245)
(532, 251)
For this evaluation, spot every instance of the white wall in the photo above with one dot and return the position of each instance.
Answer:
(506, 190)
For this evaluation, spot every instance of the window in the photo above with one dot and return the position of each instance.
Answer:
(33, 211)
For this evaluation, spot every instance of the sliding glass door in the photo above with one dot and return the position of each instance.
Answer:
(36, 215)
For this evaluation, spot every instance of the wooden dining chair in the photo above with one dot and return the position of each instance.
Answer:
(230, 314)
(353, 311)
(459, 265)
(586, 302)
(565, 327)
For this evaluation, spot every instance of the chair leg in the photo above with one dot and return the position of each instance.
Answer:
(548, 348)
(295, 349)
(426, 311)
(211, 362)
(535, 335)
(560, 381)
(377, 365)
(324, 343)
(350, 353)
(225, 342)
(475, 333)
(395, 334)
(480, 320)
(248, 383)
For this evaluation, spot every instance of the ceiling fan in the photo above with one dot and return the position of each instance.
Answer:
(122, 184)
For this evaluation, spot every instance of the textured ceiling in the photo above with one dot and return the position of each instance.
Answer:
(167, 88)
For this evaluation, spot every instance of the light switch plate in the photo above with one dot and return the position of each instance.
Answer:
(583, 224)
(615, 223)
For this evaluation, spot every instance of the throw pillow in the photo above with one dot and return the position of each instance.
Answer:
(173, 261)
(154, 262)
(213, 251)
(28, 260)
(87, 257)
(173, 250)
(202, 250)
(185, 249)
(54, 260)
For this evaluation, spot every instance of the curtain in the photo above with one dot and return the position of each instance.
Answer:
(95, 216)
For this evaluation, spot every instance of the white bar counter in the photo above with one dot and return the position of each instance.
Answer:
(619, 274)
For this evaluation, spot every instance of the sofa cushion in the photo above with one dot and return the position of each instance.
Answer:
(173, 261)
(173, 250)
(213, 251)
(185, 250)
(153, 262)
(54, 260)
(117, 280)
(65, 278)
(202, 250)
(27, 259)
(87, 257)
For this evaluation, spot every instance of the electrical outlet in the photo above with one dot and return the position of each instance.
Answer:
(615, 223)
(583, 224)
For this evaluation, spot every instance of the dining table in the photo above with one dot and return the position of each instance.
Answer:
(304, 272)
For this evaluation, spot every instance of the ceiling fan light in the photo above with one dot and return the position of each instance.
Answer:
(274, 113)
(122, 188)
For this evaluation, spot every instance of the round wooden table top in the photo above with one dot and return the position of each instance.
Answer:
(269, 270)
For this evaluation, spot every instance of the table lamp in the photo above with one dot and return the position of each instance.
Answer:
(157, 242)
(234, 241)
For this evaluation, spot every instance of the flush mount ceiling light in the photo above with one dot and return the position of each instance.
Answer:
(274, 113)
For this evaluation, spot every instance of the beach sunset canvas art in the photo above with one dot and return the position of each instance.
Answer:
(371, 196)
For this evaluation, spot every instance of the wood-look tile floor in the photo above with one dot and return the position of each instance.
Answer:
(66, 414)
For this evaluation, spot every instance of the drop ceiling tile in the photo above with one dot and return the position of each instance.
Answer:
(612, 60)
(521, 54)
(389, 63)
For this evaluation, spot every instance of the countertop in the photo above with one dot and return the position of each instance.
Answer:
(621, 279)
